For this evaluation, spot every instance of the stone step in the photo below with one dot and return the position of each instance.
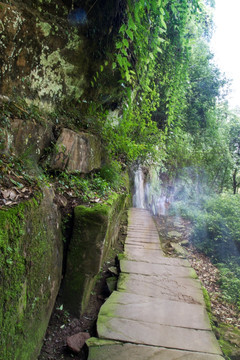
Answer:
(126, 351)
(163, 270)
(134, 252)
(144, 245)
(154, 310)
(158, 311)
(139, 332)
(184, 290)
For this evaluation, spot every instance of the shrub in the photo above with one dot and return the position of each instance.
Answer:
(216, 229)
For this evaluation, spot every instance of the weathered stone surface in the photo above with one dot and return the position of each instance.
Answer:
(38, 52)
(29, 139)
(77, 341)
(181, 289)
(159, 303)
(143, 245)
(31, 272)
(179, 249)
(153, 310)
(126, 351)
(163, 270)
(50, 60)
(154, 256)
(152, 238)
(77, 152)
(147, 333)
(94, 233)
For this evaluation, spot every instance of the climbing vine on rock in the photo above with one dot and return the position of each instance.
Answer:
(152, 56)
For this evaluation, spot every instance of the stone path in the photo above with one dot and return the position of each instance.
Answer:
(158, 310)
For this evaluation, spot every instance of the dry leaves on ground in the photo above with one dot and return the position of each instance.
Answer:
(209, 276)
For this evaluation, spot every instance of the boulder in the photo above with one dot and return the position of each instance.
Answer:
(76, 152)
(29, 139)
(77, 341)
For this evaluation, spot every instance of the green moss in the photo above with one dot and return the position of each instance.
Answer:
(228, 336)
(45, 27)
(207, 299)
(121, 286)
(193, 274)
(94, 234)
(29, 278)
(100, 342)
(122, 256)
(229, 340)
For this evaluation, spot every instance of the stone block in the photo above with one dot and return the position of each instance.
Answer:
(94, 233)
(29, 139)
(76, 152)
(31, 272)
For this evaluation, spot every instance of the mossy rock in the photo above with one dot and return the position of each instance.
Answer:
(94, 233)
(30, 275)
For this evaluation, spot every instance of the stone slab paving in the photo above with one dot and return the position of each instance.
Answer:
(158, 310)
(163, 270)
(134, 252)
(140, 352)
(186, 290)
(155, 310)
(140, 332)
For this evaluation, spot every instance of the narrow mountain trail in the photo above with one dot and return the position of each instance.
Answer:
(158, 310)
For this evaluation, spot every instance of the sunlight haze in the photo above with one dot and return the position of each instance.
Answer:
(226, 45)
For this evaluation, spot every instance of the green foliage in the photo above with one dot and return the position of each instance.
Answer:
(205, 83)
(83, 188)
(111, 173)
(216, 232)
(89, 187)
(217, 228)
(230, 282)
(152, 56)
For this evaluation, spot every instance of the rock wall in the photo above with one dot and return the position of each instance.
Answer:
(30, 274)
(76, 152)
(40, 53)
(49, 60)
(94, 233)
(50, 53)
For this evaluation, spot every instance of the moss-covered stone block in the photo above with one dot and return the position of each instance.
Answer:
(30, 139)
(94, 233)
(30, 274)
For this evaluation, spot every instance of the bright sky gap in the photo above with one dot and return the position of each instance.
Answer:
(225, 44)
